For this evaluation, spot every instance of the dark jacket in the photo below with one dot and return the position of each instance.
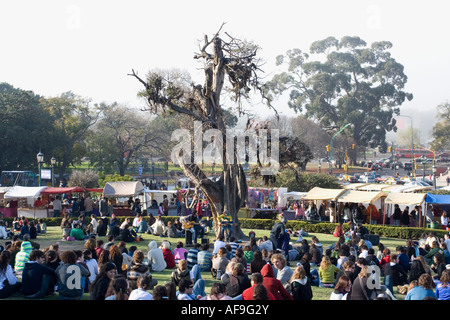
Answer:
(32, 276)
(243, 282)
(69, 285)
(398, 275)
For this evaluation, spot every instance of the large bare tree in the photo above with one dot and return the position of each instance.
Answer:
(230, 67)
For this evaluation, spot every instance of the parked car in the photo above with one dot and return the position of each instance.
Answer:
(408, 166)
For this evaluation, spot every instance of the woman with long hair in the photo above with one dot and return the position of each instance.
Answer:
(118, 288)
(8, 281)
(327, 273)
(342, 289)
(300, 284)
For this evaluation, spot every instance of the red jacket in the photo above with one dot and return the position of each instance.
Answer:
(248, 294)
(168, 257)
(274, 285)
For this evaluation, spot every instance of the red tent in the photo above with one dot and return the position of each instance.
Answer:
(61, 190)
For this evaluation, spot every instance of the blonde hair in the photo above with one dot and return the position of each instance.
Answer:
(326, 262)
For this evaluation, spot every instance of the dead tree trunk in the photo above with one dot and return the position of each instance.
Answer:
(236, 62)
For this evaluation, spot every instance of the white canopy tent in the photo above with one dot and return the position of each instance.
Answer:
(356, 196)
(119, 189)
(30, 194)
(19, 192)
(317, 193)
(292, 195)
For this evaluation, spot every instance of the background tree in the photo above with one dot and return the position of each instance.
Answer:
(406, 136)
(25, 128)
(121, 136)
(230, 66)
(441, 131)
(348, 83)
(72, 117)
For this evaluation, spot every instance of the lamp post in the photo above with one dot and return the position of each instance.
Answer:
(40, 160)
(331, 146)
(153, 171)
(434, 176)
(424, 159)
(53, 162)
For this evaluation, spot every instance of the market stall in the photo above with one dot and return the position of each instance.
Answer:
(25, 197)
(289, 213)
(120, 192)
(403, 200)
(264, 203)
(65, 193)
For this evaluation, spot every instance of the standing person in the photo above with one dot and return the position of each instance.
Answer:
(37, 278)
(277, 233)
(88, 205)
(100, 286)
(71, 277)
(8, 281)
(396, 216)
(226, 222)
(404, 219)
(423, 290)
(57, 206)
(300, 284)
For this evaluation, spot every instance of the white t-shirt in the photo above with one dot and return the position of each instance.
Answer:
(140, 294)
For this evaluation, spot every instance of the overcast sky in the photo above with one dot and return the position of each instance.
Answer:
(89, 47)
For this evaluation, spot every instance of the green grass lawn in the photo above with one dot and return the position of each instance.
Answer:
(54, 235)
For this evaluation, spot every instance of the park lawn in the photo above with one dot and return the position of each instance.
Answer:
(54, 235)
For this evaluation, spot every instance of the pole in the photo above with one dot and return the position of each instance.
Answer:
(331, 146)
(40, 167)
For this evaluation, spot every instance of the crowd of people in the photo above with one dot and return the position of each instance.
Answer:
(359, 213)
(260, 269)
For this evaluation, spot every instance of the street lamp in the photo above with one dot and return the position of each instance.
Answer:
(153, 171)
(434, 176)
(424, 162)
(53, 162)
(40, 160)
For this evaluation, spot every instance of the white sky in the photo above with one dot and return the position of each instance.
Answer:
(89, 47)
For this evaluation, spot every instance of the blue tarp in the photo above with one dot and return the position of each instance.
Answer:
(437, 198)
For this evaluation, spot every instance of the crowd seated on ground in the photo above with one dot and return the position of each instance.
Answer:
(269, 267)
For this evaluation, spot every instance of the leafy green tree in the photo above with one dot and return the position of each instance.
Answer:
(121, 135)
(441, 131)
(72, 117)
(349, 82)
(25, 128)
